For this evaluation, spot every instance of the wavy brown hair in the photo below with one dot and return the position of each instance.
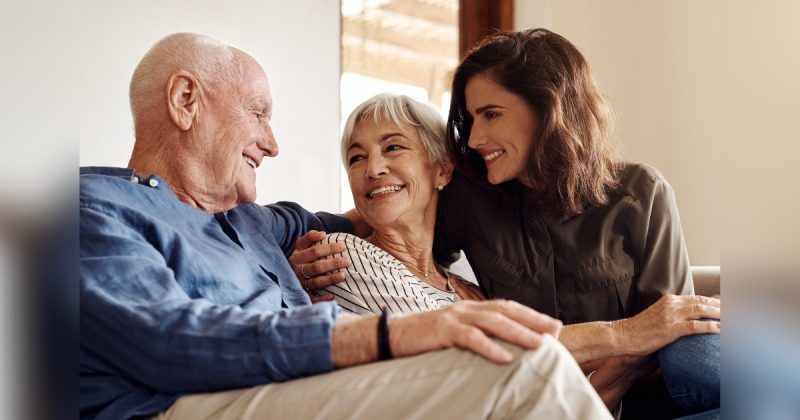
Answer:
(572, 163)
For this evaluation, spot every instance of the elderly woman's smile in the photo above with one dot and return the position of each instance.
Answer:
(384, 191)
(391, 174)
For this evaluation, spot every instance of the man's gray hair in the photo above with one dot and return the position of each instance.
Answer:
(210, 60)
(401, 109)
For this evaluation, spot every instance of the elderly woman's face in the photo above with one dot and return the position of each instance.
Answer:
(502, 131)
(391, 177)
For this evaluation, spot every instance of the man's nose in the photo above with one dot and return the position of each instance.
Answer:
(267, 142)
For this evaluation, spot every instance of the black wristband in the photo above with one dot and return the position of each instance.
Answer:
(384, 348)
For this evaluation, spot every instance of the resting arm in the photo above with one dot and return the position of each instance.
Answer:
(135, 316)
(664, 270)
(620, 351)
(466, 324)
(660, 324)
(591, 341)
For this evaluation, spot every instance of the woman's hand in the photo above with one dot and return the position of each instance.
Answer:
(613, 377)
(670, 318)
(312, 266)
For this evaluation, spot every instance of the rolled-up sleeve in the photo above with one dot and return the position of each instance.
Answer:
(137, 319)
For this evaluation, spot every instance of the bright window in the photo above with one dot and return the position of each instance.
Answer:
(399, 46)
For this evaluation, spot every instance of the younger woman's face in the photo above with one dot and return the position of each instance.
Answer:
(502, 129)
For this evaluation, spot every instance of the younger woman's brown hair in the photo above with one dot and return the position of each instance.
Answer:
(572, 162)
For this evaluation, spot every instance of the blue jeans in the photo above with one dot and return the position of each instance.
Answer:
(690, 367)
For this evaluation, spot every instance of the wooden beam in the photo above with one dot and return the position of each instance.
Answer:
(478, 18)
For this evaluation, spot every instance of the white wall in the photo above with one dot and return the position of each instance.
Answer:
(658, 65)
(297, 43)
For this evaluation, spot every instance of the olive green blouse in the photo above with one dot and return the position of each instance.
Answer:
(606, 263)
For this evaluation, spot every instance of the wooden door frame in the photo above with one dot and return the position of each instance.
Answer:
(478, 18)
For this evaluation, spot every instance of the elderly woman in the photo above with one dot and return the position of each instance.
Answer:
(393, 149)
(550, 217)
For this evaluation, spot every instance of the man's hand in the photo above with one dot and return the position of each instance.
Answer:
(469, 325)
(312, 267)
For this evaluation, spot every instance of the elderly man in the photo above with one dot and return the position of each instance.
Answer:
(190, 310)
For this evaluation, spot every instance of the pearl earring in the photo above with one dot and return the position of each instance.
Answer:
(440, 187)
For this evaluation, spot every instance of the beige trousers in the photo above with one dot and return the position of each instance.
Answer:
(448, 384)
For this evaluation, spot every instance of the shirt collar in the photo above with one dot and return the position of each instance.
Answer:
(129, 174)
(108, 171)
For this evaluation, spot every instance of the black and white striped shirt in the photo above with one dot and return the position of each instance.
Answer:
(377, 280)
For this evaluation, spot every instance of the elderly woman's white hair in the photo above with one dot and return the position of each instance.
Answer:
(401, 109)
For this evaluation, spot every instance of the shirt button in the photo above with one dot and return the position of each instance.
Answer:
(153, 182)
(135, 179)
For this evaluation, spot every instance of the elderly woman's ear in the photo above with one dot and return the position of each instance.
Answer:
(445, 173)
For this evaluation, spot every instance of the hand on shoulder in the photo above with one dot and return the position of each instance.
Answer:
(316, 265)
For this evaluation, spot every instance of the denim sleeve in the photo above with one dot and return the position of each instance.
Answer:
(135, 317)
(293, 221)
(333, 223)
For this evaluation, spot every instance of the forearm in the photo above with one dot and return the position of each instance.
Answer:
(466, 324)
(592, 341)
(355, 341)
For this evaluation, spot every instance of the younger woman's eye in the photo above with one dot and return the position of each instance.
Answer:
(490, 115)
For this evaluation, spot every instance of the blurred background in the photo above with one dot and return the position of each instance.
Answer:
(705, 90)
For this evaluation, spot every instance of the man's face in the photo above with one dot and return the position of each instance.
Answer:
(235, 135)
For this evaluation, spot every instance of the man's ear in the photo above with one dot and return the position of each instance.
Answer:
(445, 172)
(183, 93)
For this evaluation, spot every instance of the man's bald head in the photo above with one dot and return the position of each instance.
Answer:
(201, 111)
(214, 63)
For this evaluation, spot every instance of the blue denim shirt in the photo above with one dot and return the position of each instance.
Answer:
(174, 300)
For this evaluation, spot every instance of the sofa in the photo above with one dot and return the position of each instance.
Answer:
(706, 277)
(706, 280)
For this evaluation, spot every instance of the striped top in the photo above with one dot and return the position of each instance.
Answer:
(377, 280)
